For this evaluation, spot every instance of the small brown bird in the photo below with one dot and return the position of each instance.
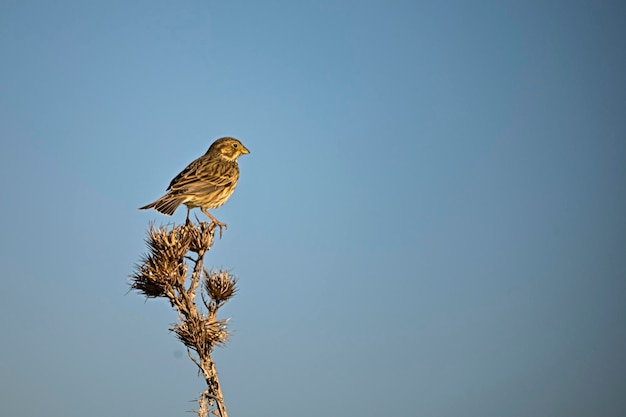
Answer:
(206, 183)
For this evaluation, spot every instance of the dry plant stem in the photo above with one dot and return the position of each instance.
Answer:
(164, 274)
(210, 376)
(206, 364)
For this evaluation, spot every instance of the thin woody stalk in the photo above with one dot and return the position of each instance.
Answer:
(163, 272)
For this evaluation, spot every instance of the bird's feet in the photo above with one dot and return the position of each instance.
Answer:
(220, 225)
(216, 222)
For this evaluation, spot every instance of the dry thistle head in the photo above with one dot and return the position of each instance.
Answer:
(164, 267)
(170, 244)
(201, 236)
(219, 285)
(155, 277)
(201, 334)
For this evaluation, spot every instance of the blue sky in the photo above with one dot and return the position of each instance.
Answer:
(430, 222)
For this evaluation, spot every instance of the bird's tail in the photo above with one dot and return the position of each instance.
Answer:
(164, 205)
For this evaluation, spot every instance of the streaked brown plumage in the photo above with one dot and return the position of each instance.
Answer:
(206, 183)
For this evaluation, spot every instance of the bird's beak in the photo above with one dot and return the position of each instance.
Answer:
(244, 150)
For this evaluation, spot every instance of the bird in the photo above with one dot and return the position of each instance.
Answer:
(206, 183)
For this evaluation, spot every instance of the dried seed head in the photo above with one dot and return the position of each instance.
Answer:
(201, 334)
(156, 275)
(146, 283)
(219, 285)
(201, 237)
(169, 244)
(164, 267)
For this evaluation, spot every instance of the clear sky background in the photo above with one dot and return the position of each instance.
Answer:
(431, 222)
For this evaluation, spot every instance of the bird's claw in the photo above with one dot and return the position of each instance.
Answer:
(220, 225)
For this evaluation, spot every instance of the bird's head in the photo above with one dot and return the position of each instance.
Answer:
(227, 148)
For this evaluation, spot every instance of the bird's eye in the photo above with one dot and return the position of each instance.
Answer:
(234, 145)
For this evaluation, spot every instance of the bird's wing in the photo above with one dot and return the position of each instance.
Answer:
(205, 175)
